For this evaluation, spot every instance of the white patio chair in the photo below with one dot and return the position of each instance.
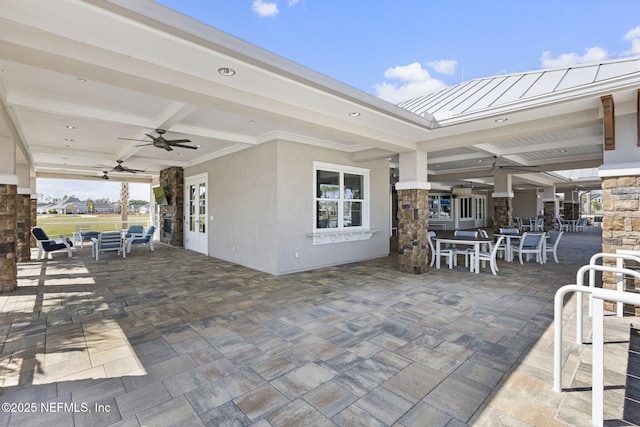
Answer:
(581, 225)
(539, 224)
(110, 241)
(552, 243)
(467, 251)
(562, 226)
(463, 251)
(489, 255)
(530, 243)
(527, 224)
(445, 253)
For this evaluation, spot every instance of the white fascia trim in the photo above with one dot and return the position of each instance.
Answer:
(8, 179)
(24, 190)
(413, 185)
(619, 169)
(502, 194)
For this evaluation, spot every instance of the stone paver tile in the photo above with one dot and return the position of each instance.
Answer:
(298, 413)
(140, 399)
(458, 397)
(103, 412)
(176, 412)
(228, 415)
(95, 390)
(384, 405)
(330, 398)
(223, 390)
(423, 414)
(160, 371)
(121, 367)
(488, 416)
(355, 416)
(302, 380)
(261, 401)
(414, 382)
(273, 367)
(51, 373)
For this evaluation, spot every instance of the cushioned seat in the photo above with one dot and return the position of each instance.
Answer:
(45, 244)
(145, 239)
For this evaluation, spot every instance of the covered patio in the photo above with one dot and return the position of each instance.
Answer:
(173, 337)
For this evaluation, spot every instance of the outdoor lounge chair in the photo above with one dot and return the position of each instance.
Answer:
(45, 244)
(109, 241)
(144, 239)
(84, 233)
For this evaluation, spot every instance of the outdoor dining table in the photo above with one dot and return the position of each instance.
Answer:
(508, 253)
(476, 242)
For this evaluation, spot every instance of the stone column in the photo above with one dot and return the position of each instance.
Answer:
(413, 220)
(8, 266)
(413, 213)
(23, 227)
(502, 208)
(621, 225)
(549, 209)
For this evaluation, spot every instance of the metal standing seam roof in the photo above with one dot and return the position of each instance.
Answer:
(479, 94)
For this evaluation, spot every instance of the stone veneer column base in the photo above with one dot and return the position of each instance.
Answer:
(621, 226)
(549, 209)
(502, 208)
(23, 227)
(8, 263)
(413, 221)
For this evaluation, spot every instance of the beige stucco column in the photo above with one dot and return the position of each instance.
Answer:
(413, 213)
(502, 200)
(8, 197)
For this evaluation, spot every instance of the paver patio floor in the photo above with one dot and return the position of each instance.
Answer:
(177, 338)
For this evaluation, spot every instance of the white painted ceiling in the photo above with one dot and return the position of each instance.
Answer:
(121, 69)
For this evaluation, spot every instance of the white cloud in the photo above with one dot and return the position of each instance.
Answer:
(413, 81)
(293, 2)
(263, 8)
(592, 54)
(444, 66)
(633, 36)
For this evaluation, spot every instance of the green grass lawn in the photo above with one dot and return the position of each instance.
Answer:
(65, 225)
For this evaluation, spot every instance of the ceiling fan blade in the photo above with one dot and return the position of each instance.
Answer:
(151, 136)
(130, 139)
(143, 145)
(185, 146)
(177, 141)
(168, 148)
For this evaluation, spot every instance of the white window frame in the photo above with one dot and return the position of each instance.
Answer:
(341, 233)
(468, 208)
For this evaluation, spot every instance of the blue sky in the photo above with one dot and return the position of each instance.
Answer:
(406, 48)
(401, 49)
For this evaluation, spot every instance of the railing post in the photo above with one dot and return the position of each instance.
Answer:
(597, 364)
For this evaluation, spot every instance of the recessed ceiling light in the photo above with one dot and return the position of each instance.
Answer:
(226, 71)
(354, 114)
(80, 79)
(70, 127)
(501, 120)
(69, 140)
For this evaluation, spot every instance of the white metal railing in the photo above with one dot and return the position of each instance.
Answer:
(598, 296)
(620, 257)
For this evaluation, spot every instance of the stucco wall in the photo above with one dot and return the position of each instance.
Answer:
(242, 202)
(261, 201)
(296, 203)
